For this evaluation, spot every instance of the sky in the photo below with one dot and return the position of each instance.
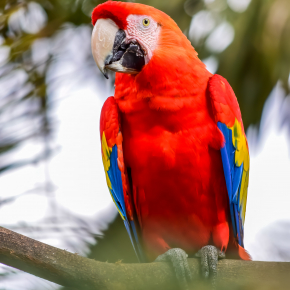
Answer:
(268, 196)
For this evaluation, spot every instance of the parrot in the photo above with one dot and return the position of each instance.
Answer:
(174, 148)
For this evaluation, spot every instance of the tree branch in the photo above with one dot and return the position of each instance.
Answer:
(71, 270)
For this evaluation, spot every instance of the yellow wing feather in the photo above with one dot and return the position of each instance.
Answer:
(106, 153)
(241, 157)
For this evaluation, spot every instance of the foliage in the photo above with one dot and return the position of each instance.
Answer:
(259, 55)
(24, 98)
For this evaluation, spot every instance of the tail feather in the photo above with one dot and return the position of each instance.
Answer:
(244, 255)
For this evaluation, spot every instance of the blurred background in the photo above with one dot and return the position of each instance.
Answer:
(52, 184)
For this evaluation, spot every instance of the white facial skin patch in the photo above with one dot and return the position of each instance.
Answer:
(145, 30)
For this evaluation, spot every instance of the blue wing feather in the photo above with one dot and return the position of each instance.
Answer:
(115, 177)
(138, 250)
(233, 177)
(225, 159)
(236, 182)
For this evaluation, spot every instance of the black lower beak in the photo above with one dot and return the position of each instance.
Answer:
(126, 57)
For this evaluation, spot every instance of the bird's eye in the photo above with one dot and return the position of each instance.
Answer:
(146, 22)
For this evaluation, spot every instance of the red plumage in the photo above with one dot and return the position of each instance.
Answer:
(108, 10)
(171, 143)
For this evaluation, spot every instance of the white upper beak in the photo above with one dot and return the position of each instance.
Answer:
(103, 37)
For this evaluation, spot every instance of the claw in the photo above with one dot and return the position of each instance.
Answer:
(209, 256)
(178, 258)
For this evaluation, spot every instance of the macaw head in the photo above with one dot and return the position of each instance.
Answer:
(126, 36)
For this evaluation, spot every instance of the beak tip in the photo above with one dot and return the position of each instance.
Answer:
(105, 73)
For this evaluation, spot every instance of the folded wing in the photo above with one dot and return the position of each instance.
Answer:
(115, 169)
(235, 152)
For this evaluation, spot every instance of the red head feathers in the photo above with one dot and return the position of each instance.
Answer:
(119, 11)
(173, 58)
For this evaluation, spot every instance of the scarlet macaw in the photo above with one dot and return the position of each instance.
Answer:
(173, 144)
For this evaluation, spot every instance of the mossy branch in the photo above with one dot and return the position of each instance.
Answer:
(72, 270)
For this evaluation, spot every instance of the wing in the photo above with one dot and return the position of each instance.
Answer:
(115, 169)
(235, 152)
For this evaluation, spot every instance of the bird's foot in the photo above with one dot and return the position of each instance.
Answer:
(178, 258)
(209, 256)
